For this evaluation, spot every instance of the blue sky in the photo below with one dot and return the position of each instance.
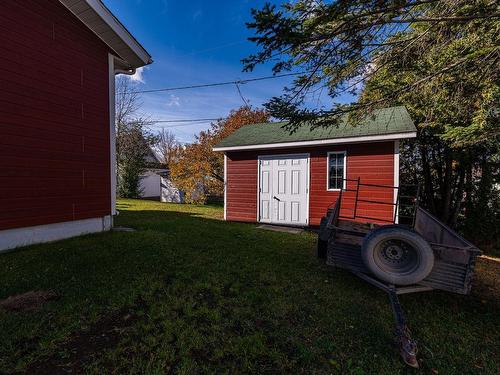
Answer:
(194, 42)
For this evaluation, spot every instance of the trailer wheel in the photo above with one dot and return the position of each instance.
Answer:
(397, 255)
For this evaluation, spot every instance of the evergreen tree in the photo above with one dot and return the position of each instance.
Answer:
(439, 58)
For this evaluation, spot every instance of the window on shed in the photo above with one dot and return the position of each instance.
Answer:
(336, 170)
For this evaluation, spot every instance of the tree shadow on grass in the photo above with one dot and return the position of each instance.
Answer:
(227, 296)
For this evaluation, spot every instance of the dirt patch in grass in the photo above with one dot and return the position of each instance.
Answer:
(82, 348)
(29, 301)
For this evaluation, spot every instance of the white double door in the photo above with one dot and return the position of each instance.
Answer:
(284, 189)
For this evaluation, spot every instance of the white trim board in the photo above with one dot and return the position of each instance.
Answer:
(112, 131)
(321, 142)
(225, 186)
(17, 237)
(113, 71)
(396, 178)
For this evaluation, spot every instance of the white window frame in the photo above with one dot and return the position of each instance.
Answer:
(328, 169)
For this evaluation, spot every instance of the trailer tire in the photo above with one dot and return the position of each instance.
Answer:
(397, 255)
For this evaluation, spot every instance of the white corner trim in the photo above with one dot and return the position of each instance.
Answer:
(308, 188)
(112, 131)
(258, 188)
(225, 186)
(12, 238)
(344, 173)
(324, 142)
(396, 178)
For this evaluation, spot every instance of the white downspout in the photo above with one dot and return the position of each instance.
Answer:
(112, 131)
(112, 125)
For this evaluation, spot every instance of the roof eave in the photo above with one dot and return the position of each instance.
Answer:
(320, 142)
(99, 19)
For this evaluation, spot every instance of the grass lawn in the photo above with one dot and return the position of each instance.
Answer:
(189, 293)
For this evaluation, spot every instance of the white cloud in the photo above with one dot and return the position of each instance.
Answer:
(357, 83)
(138, 76)
(370, 68)
(174, 101)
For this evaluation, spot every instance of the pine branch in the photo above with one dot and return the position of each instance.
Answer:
(446, 19)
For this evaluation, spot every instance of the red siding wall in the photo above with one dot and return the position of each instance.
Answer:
(54, 117)
(372, 162)
(241, 186)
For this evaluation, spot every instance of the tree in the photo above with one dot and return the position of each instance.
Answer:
(133, 145)
(457, 150)
(439, 58)
(167, 146)
(199, 171)
(127, 101)
(133, 140)
(335, 44)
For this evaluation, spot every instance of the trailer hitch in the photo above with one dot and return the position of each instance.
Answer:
(406, 345)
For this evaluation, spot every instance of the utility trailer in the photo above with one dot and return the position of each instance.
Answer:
(410, 252)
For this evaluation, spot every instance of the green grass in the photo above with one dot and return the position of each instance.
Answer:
(209, 296)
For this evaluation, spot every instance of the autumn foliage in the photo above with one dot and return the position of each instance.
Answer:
(199, 171)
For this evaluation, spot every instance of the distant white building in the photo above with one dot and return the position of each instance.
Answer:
(150, 184)
(169, 193)
(156, 184)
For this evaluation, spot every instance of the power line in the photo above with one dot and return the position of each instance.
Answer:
(185, 122)
(241, 95)
(241, 81)
(188, 120)
(181, 125)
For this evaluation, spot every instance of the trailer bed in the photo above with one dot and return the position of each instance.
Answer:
(341, 241)
(455, 258)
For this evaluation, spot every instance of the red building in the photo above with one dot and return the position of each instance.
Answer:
(274, 176)
(57, 141)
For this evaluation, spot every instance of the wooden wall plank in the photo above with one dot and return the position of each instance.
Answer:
(54, 157)
(372, 162)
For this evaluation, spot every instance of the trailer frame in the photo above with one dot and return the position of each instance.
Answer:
(340, 239)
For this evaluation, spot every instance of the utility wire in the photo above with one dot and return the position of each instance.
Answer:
(241, 95)
(187, 120)
(181, 125)
(237, 82)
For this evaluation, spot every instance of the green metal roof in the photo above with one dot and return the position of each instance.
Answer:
(394, 120)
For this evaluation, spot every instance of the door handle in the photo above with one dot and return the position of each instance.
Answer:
(274, 197)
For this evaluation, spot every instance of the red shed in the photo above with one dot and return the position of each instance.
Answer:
(57, 140)
(277, 177)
